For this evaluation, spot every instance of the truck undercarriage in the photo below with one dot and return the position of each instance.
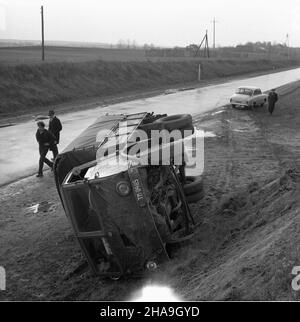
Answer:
(125, 215)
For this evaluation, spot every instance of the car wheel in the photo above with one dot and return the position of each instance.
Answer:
(233, 105)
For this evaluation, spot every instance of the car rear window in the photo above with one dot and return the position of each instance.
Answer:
(244, 91)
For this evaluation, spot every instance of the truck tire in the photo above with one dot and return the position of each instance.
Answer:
(151, 126)
(176, 122)
(195, 197)
(193, 186)
(161, 126)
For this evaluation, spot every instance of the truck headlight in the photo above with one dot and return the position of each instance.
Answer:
(123, 188)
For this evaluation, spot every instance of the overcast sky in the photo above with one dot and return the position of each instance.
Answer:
(161, 22)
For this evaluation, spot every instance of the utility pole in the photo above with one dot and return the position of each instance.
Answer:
(214, 33)
(206, 44)
(43, 40)
(206, 49)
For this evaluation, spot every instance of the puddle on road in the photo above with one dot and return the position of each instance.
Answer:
(208, 114)
(243, 126)
(218, 112)
(208, 134)
(200, 132)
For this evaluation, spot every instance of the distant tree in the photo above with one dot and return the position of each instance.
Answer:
(134, 44)
(121, 44)
(192, 48)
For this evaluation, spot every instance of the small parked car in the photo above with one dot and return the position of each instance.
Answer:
(248, 97)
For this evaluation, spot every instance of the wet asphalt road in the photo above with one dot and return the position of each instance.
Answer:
(19, 149)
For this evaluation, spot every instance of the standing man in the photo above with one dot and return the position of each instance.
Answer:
(272, 99)
(46, 141)
(54, 128)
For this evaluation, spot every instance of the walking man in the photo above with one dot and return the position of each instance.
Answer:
(272, 99)
(54, 128)
(46, 141)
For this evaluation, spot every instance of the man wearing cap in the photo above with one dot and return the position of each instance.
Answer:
(45, 140)
(54, 128)
(272, 99)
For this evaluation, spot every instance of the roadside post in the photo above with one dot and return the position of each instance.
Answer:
(2, 279)
(199, 73)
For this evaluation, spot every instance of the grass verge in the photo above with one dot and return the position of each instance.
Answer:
(24, 87)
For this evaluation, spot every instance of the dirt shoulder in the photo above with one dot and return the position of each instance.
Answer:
(251, 211)
(244, 249)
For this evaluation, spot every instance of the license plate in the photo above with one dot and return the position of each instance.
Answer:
(137, 187)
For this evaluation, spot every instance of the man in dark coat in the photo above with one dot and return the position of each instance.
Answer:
(54, 128)
(272, 99)
(46, 141)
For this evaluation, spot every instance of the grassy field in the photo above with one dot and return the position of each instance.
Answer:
(80, 74)
(32, 54)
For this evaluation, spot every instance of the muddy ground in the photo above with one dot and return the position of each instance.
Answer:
(244, 249)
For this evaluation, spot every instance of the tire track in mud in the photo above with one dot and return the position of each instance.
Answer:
(246, 148)
(285, 157)
(231, 164)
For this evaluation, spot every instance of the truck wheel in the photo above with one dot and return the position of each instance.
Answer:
(193, 185)
(176, 122)
(151, 265)
(195, 197)
(160, 126)
(151, 126)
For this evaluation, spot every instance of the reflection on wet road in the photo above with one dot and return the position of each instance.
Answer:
(19, 150)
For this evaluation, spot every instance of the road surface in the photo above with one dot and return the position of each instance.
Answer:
(19, 150)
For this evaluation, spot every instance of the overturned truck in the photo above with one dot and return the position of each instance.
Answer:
(125, 209)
